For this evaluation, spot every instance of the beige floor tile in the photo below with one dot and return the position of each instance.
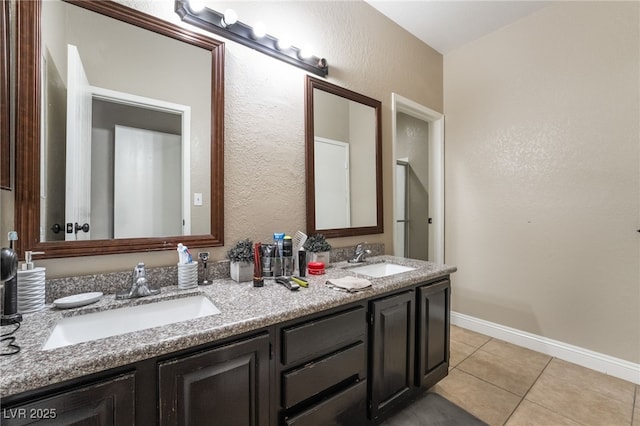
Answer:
(484, 400)
(507, 366)
(468, 337)
(584, 395)
(530, 414)
(458, 352)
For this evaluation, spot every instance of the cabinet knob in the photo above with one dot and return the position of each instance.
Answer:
(83, 228)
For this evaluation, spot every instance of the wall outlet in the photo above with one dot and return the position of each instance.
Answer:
(197, 199)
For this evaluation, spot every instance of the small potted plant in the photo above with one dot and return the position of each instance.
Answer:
(241, 261)
(318, 249)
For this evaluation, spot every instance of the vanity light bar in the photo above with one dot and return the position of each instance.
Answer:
(212, 21)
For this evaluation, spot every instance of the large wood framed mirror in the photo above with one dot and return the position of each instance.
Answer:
(136, 77)
(5, 113)
(343, 161)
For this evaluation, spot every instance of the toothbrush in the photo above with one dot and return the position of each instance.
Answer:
(184, 255)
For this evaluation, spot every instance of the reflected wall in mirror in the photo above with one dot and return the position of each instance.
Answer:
(343, 161)
(123, 142)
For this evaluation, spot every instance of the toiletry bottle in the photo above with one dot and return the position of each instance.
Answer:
(287, 256)
(258, 281)
(302, 262)
(276, 262)
(278, 237)
(267, 268)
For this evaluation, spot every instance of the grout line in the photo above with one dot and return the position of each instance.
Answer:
(493, 384)
(528, 390)
(472, 352)
(538, 378)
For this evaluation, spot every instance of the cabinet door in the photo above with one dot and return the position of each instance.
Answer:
(392, 350)
(104, 403)
(228, 385)
(433, 333)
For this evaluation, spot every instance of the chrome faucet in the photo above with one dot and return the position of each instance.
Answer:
(359, 253)
(140, 286)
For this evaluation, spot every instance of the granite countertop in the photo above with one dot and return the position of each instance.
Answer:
(243, 308)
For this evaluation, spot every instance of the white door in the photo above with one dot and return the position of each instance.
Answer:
(78, 161)
(144, 160)
(331, 166)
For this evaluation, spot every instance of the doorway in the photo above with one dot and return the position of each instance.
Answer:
(418, 155)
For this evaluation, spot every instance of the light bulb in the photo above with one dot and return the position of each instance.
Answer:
(260, 30)
(284, 43)
(196, 5)
(229, 18)
(306, 52)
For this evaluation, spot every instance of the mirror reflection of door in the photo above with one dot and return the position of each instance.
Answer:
(78, 174)
(136, 173)
(333, 200)
(96, 74)
(343, 121)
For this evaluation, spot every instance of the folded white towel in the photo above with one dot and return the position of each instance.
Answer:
(350, 284)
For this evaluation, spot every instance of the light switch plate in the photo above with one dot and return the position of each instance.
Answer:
(197, 199)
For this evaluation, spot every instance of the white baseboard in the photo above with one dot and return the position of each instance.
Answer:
(596, 361)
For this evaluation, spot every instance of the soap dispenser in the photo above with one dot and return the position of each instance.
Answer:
(31, 284)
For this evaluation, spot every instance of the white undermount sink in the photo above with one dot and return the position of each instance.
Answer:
(113, 322)
(378, 270)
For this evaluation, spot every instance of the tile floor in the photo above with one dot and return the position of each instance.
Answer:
(504, 384)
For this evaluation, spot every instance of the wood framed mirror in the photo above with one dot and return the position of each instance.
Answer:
(31, 193)
(5, 113)
(343, 161)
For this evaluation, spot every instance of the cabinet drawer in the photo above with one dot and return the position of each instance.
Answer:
(323, 335)
(313, 378)
(345, 408)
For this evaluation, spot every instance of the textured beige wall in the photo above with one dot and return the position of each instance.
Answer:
(264, 116)
(543, 178)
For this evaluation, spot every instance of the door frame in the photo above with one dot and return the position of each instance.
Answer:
(400, 104)
(184, 111)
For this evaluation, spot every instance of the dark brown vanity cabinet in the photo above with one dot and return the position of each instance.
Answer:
(433, 338)
(322, 369)
(109, 402)
(226, 385)
(409, 344)
(392, 351)
(349, 365)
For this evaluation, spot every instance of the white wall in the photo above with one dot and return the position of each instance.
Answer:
(543, 176)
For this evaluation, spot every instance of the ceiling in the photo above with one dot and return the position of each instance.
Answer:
(446, 25)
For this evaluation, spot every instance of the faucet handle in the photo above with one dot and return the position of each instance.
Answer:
(360, 246)
(139, 270)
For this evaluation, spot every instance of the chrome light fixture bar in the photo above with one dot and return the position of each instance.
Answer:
(214, 22)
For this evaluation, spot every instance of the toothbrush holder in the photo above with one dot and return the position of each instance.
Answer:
(187, 275)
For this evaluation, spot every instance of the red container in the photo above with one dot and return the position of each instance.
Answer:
(316, 268)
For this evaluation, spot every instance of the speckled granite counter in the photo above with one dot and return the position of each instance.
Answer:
(243, 308)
